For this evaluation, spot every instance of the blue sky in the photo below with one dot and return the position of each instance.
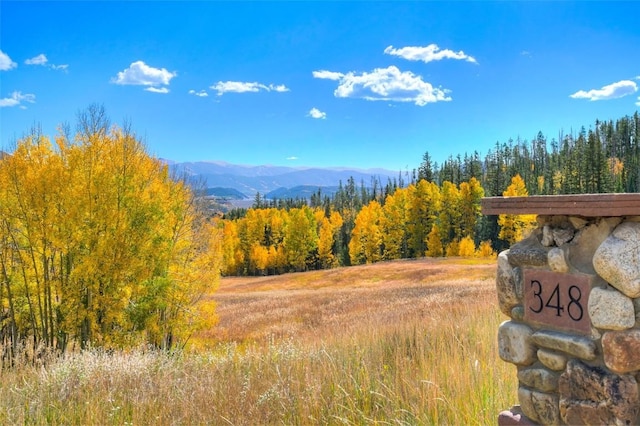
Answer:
(359, 84)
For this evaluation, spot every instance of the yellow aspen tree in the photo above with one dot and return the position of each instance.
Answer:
(318, 215)
(33, 187)
(366, 238)
(467, 247)
(100, 246)
(301, 238)
(470, 194)
(434, 243)
(327, 233)
(276, 224)
(272, 259)
(278, 259)
(325, 242)
(513, 227)
(453, 248)
(232, 255)
(193, 273)
(259, 257)
(394, 225)
(424, 204)
(252, 229)
(485, 249)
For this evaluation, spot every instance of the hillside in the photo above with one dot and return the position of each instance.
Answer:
(301, 191)
(405, 342)
(329, 302)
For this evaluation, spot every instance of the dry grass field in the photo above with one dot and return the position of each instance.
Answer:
(402, 343)
(326, 304)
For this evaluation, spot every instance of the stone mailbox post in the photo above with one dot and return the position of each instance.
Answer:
(571, 291)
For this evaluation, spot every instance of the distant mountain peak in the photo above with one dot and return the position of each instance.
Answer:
(266, 178)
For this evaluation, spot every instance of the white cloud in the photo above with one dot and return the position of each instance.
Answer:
(223, 87)
(201, 93)
(386, 84)
(157, 89)
(16, 98)
(638, 103)
(141, 74)
(5, 62)
(292, 158)
(235, 87)
(611, 91)
(278, 88)
(328, 75)
(428, 53)
(41, 59)
(316, 113)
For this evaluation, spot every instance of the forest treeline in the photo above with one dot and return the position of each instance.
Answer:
(422, 219)
(435, 209)
(604, 158)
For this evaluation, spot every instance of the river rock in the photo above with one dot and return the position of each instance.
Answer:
(611, 310)
(557, 261)
(538, 378)
(617, 260)
(581, 347)
(552, 360)
(586, 241)
(506, 284)
(621, 350)
(514, 343)
(528, 252)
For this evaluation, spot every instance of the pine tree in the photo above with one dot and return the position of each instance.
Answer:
(425, 171)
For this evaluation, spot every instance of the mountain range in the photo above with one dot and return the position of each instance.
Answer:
(222, 179)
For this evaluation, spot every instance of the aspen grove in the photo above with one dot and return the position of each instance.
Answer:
(99, 245)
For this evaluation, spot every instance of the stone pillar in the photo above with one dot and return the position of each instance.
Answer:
(571, 292)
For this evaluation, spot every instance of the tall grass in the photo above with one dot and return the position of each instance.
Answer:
(442, 368)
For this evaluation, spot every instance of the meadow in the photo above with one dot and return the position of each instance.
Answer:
(403, 343)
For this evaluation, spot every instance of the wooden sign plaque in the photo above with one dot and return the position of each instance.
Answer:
(557, 300)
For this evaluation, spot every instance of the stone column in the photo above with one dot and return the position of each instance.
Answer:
(571, 291)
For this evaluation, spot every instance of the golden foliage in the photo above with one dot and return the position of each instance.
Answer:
(467, 247)
(99, 245)
(366, 239)
(329, 228)
(513, 227)
(485, 249)
(453, 249)
(421, 219)
(434, 243)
